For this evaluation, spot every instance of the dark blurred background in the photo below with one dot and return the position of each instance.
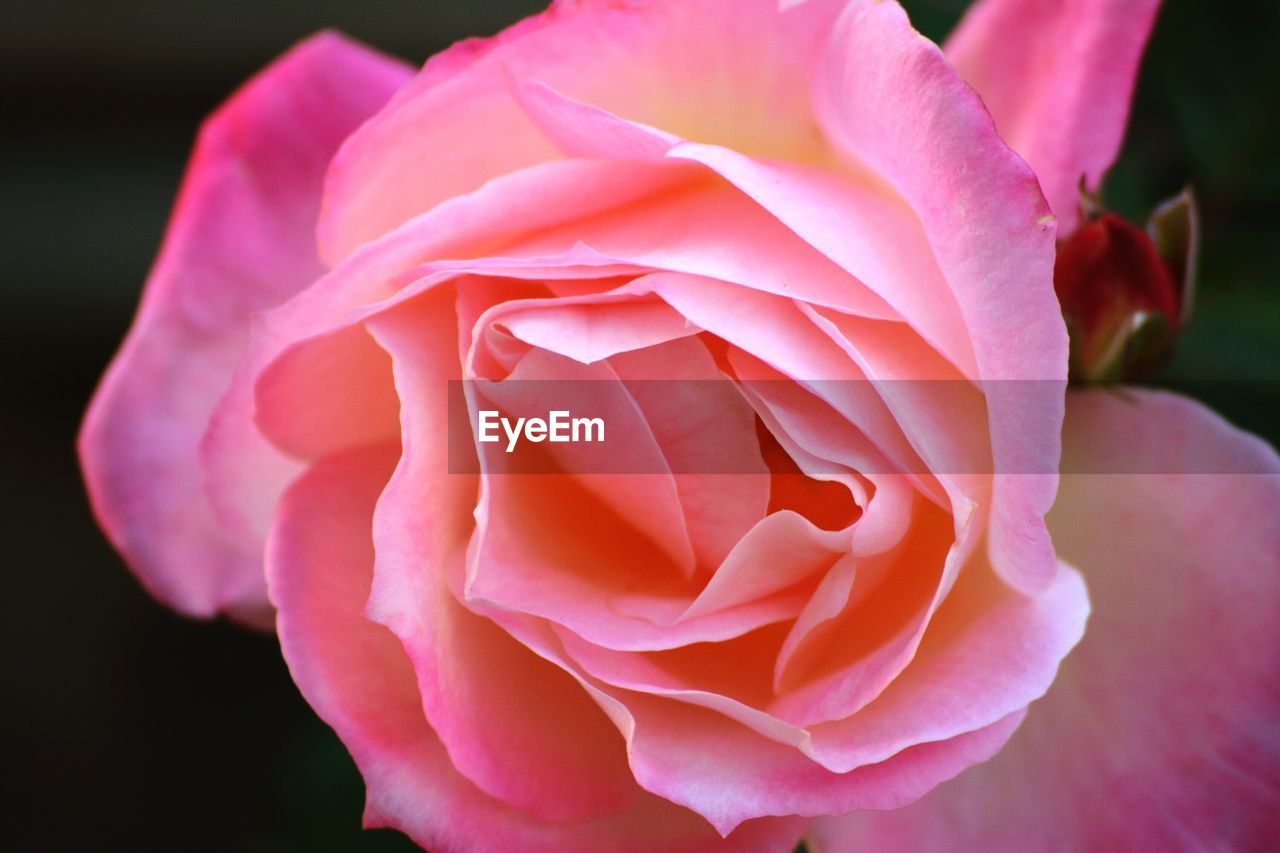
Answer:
(129, 728)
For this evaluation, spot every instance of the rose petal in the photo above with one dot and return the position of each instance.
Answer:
(989, 651)
(245, 473)
(780, 551)
(820, 612)
(355, 674)
(592, 328)
(583, 130)
(864, 228)
(728, 773)
(882, 625)
(713, 230)
(702, 422)
(725, 677)
(328, 393)
(825, 445)
(582, 569)
(1057, 78)
(1159, 733)
(776, 331)
(890, 102)
(241, 239)
(643, 498)
(460, 123)
(942, 414)
(552, 759)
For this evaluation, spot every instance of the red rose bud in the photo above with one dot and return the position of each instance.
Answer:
(1125, 291)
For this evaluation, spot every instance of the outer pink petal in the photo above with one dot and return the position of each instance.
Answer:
(1057, 76)
(989, 651)
(861, 229)
(724, 71)
(1160, 732)
(714, 230)
(865, 230)
(246, 473)
(891, 103)
(354, 672)
(558, 758)
(241, 239)
(729, 773)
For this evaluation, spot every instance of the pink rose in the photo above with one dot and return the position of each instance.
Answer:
(786, 199)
